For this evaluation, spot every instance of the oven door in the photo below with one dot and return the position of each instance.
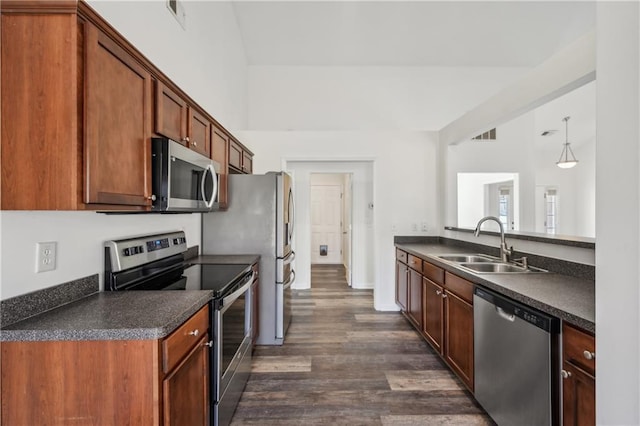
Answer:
(232, 353)
(183, 180)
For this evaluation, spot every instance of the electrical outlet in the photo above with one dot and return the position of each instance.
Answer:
(46, 256)
(414, 227)
(424, 227)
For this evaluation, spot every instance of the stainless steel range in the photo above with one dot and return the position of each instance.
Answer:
(156, 262)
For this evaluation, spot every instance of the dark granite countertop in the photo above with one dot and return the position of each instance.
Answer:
(569, 298)
(126, 315)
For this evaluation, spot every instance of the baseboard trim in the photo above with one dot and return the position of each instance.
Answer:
(386, 307)
(362, 286)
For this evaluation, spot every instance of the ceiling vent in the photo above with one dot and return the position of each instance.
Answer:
(489, 135)
(175, 6)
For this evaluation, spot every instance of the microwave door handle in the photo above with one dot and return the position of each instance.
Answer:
(214, 191)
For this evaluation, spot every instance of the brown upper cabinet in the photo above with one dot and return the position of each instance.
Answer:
(117, 123)
(79, 108)
(178, 120)
(240, 158)
(220, 154)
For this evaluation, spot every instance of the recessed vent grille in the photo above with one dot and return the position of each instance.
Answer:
(489, 135)
(175, 6)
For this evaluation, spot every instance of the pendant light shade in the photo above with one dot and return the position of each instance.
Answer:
(567, 158)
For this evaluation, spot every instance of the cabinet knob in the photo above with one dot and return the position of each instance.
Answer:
(444, 295)
(589, 354)
(565, 374)
(209, 343)
(195, 143)
(186, 139)
(195, 332)
(151, 197)
(438, 292)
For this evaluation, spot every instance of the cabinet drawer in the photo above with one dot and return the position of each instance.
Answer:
(184, 338)
(432, 272)
(415, 263)
(577, 344)
(459, 286)
(401, 256)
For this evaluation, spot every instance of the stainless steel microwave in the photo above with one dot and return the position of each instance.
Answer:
(182, 179)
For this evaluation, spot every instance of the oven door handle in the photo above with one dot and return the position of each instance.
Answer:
(233, 296)
(214, 190)
(292, 278)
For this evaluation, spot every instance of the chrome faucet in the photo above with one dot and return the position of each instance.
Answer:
(505, 251)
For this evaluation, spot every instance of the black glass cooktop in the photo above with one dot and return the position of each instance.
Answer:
(222, 279)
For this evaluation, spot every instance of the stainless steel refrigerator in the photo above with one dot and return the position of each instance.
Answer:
(259, 220)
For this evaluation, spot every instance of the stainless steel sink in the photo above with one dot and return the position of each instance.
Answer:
(498, 268)
(468, 258)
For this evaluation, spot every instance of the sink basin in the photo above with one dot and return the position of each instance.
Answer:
(467, 258)
(498, 268)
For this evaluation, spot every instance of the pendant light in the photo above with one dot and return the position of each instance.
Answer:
(567, 159)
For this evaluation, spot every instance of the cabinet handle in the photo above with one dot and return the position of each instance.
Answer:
(195, 332)
(589, 354)
(195, 143)
(152, 197)
(565, 374)
(186, 139)
(209, 343)
(438, 292)
(444, 295)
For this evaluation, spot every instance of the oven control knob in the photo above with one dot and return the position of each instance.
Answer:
(195, 332)
(209, 343)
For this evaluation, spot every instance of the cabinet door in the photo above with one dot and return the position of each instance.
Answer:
(247, 162)
(171, 114)
(459, 337)
(220, 154)
(433, 314)
(117, 124)
(402, 281)
(199, 133)
(185, 396)
(235, 155)
(578, 397)
(415, 298)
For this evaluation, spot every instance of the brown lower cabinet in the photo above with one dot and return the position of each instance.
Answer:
(578, 377)
(444, 304)
(110, 382)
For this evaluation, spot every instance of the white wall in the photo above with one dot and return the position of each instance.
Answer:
(206, 60)
(367, 98)
(618, 214)
(404, 184)
(80, 236)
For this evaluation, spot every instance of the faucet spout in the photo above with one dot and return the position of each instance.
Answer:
(505, 251)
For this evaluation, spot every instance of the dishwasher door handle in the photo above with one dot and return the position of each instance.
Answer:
(503, 314)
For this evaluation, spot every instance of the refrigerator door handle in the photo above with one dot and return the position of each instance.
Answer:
(292, 213)
(292, 278)
(290, 258)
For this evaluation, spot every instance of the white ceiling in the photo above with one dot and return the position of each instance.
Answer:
(411, 33)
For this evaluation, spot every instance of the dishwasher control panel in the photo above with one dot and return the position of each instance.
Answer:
(509, 307)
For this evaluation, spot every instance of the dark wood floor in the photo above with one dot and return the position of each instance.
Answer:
(344, 363)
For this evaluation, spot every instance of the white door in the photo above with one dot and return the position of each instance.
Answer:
(326, 231)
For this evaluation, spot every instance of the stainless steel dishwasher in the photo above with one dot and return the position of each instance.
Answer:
(516, 361)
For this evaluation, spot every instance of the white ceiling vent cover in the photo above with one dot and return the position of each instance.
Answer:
(489, 135)
(175, 6)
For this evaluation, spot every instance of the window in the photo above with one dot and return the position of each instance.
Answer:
(551, 210)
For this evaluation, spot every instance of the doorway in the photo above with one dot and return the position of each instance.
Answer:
(331, 214)
(358, 250)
